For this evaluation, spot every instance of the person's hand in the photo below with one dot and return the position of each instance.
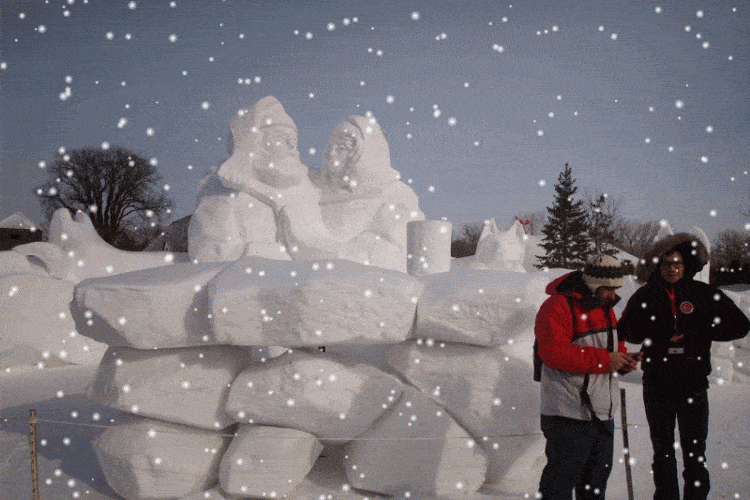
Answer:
(622, 362)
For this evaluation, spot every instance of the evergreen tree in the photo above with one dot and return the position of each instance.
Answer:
(566, 239)
(600, 214)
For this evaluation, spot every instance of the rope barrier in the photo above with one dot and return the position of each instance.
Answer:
(331, 438)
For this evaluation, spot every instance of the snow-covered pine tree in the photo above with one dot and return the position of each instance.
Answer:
(566, 239)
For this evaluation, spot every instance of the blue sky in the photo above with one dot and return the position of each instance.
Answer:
(482, 102)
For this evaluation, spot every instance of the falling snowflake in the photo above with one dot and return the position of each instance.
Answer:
(173, 38)
(331, 27)
(415, 16)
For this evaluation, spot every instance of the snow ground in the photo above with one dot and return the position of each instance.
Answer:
(68, 466)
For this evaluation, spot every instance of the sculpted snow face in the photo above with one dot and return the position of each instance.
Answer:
(264, 151)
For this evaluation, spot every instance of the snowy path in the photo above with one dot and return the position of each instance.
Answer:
(68, 467)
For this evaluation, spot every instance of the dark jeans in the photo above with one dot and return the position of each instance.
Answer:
(664, 404)
(579, 456)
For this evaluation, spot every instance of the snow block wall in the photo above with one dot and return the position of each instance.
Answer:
(443, 412)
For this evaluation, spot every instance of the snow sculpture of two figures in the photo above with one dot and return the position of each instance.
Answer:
(264, 201)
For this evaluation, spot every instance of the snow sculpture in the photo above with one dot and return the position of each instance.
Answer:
(362, 198)
(502, 250)
(75, 251)
(262, 201)
(239, 200)
(458, 376)
(429, 249)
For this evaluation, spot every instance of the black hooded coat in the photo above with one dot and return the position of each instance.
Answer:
(677, 348)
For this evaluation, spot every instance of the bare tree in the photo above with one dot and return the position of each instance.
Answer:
(465, 242)
(118, 189)
(731, 250)
(635, 237)
(532, 222)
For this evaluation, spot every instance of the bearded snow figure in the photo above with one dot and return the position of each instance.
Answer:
(362, 198)
(240, 200)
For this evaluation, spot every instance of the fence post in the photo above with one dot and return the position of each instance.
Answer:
(34, 464)
(626, 444)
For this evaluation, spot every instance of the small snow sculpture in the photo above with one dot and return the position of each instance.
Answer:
(502, 250)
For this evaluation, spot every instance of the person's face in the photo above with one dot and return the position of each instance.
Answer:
(607, 295)
(672, 267)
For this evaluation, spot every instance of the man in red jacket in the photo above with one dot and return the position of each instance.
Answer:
(577, 342)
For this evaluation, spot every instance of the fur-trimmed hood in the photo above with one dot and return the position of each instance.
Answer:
(693, 251)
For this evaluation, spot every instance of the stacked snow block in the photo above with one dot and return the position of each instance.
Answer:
(214, 414)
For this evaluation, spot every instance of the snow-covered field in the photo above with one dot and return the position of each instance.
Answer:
(69, 422)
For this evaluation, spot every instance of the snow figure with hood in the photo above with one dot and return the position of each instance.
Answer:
(362, 198)
(260, 201)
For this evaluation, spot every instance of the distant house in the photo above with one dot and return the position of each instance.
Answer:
(174, 239)
(17, 230)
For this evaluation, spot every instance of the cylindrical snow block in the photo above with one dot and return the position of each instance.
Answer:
(428, 246)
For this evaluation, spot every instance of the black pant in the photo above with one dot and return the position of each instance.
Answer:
(664, 404)
(579, 456)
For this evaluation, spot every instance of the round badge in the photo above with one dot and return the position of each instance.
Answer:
(687, 307)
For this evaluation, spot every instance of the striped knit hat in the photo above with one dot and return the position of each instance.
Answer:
(603, 270)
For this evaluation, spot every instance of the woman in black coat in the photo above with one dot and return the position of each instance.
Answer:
(676, 318)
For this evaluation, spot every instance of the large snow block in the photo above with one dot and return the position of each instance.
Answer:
(267, 461)
(35, 312)
(478, 307)
(215, 493)
(257, 301)
(489, 394)
(330, 398)
(186, 385)
(150, 459)
(417, 447)
(155, 308)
